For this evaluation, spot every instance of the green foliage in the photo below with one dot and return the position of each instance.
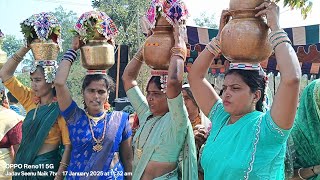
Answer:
(304, 5)
(11, 44)
(91, 25)
(206, 21)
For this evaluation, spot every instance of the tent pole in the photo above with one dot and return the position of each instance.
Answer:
(118, 71)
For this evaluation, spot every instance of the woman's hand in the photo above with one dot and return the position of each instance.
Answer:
(224, 19)
(271, 11)
(76, 43)
(179, 34)
(200, 135)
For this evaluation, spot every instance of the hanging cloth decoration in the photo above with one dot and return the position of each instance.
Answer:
(170, 9)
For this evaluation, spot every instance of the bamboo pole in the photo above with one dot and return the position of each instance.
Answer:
(118, 72)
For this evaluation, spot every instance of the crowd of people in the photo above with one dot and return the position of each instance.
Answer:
(178, 131)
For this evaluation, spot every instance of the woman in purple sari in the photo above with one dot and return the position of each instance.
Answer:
(101, 140)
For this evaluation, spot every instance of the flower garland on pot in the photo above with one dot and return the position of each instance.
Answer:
(43, 28)
(95, 25)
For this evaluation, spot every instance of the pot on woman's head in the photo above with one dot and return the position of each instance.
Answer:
(97, 55)
(157, 48)
(44, 50)
(245, 38)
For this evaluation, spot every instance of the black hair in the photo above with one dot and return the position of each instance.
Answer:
(254, 80)
(156, 80)
(11, 98)
(97, 77)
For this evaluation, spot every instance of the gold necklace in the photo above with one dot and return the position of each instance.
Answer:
(139, 151)
(98, 146)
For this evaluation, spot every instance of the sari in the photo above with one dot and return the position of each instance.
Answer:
(306, 130)
(168, 136)
(85, 162)
(8, 120)
(35, 131)
(251, 148)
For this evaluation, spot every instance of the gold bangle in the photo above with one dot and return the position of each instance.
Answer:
(214, 47)
(64, 164)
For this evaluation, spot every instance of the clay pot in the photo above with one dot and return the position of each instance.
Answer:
(245, 38)
(97, 55)
(157, 48)
(44, 50)
(244, 4)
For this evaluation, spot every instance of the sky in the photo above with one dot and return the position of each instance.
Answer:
(13, 12)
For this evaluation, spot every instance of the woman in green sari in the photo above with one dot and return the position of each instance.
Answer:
(306, 134)
(43, 129)
(165, 130)
(245, 142)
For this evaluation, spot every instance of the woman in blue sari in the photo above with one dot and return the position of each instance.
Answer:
(245, 142)
(101, 140)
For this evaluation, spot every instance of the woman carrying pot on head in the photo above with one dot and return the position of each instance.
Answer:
(306, 134)
(101, 140)
(10, 135)
(245, 142)
(165, 129)
(43, 129)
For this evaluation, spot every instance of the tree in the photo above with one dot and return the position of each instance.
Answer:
(126, 14)
(304, 5)
(11, 44)
(206, 21)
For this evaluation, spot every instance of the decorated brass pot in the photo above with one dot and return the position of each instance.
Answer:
(244, 4)
(44, 50)
(245, 38)
(97, 55)
(156, 52)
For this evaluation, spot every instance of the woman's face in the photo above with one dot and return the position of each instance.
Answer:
(190, 105)
(39, 85)
(237, 97)
(157, 100)
(95, 95)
